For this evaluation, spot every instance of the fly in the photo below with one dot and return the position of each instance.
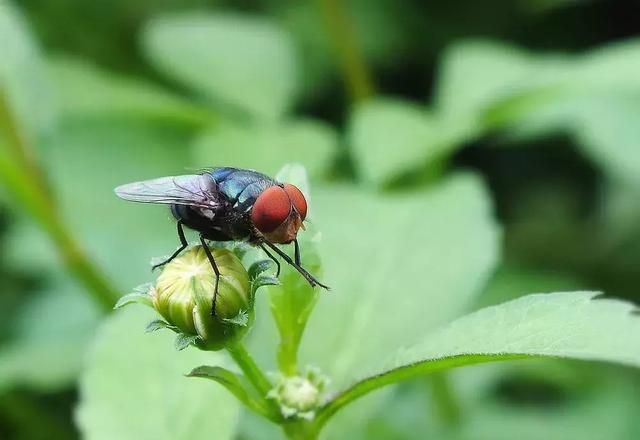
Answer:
(230, 204)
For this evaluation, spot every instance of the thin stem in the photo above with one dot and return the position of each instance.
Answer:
(250, 368)
(26, 182)
(447, 406)
(354, 70)
(19, 144)
(301, 430)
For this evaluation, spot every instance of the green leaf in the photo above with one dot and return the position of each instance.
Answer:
(267, 147)
(22, 82)
(165, 404)
(238, 385)
(392, 137)
(571, 325)
(498, 70)
(293, 299)
(609, 131)
(512, 281)
(515, 86)
(239, 60)
(404, 265)
(50, 335)
(85, 91)
(591, 405)
(543, 398)
(122, 246)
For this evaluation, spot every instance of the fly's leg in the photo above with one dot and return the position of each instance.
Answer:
(307, 276)
(183, 246)
(274, 259)
(296, 253)
(207, 252)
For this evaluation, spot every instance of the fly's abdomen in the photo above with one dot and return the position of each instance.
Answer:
(191, 218)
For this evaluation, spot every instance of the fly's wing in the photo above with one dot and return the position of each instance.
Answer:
(193, 190)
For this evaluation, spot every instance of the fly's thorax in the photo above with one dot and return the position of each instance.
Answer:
(240, 187)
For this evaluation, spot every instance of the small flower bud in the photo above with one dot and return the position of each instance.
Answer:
(183, 295)
(300, 396)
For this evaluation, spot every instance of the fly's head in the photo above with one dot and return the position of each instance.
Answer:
(278, 213)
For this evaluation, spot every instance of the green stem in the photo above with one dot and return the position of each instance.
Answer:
(447, 406)
(26, 182)
(354, 70)
(250, 368)
(301, 430)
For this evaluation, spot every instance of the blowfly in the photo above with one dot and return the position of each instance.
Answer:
(229, 204)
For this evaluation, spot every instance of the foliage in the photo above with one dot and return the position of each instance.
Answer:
(431, 264)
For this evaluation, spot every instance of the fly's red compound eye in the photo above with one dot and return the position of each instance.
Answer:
(271, 209)
(297, 198)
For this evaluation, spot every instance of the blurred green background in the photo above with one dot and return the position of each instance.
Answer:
(538, 99)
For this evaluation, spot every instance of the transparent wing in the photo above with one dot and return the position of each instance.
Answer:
(194, 190)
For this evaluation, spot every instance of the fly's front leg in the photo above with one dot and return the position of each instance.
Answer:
(274, 259)
(296, 251)
(183, 246)
(207, 252)
(307, 276)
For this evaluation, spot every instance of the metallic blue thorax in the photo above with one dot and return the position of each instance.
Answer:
(241, 187)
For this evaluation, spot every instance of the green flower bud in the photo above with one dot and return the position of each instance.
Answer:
(183, 295)
(300, 396)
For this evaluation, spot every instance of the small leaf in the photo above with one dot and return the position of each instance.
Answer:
(292, 298)
(183, 341)
(159, 324)
(239, 60)
(257, 268)
(237, 385)
(264, 280)
(296, 174)
(241, 319)
(570, 325)
(140, 295)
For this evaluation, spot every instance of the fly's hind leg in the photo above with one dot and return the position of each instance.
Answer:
(207, 252)
(183, 246)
